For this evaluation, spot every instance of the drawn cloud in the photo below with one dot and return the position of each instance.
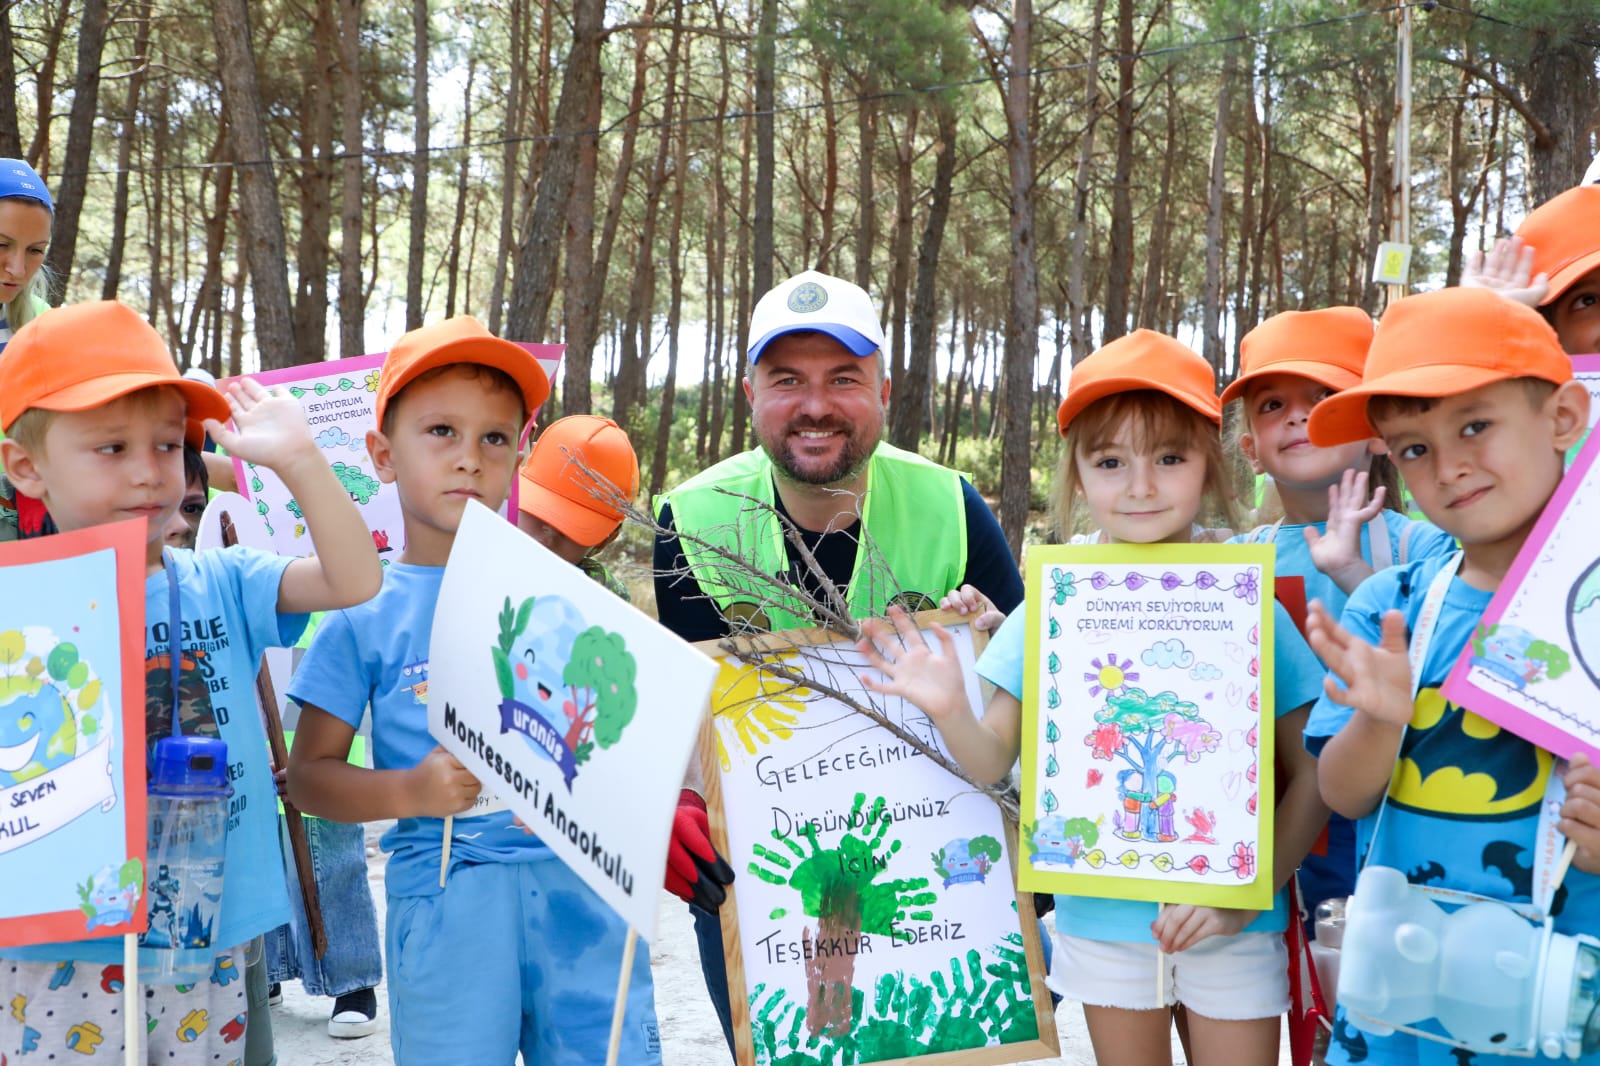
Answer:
(332, 437)
(1205, 672)
(1165, 654)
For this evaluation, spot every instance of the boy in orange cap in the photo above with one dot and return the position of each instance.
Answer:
(511, 951)
(1475, 400)
(572, 513)
(95, 412)
(1552, 264)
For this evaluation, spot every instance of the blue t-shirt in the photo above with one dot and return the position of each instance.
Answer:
(376, 654)
(1296, 683)
(228, 602)
(1465, 811)
(1333, 873)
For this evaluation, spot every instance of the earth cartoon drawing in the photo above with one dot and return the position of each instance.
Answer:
(1057, 839)
(566, 686)
(963, 861)
(1517, 657)
(48, 701)
(110, 896)
(1583, 620)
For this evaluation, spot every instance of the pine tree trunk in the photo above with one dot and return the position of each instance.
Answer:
(350, 167)
(676, 268)
(463, 187)
(1078, 237)
(130, 126)
(313, 249)
(10, 130)
(259, 212)
(1022, 334)
(1211, 295)
(908, 414)
(91, 28)
(1119, 262)
(509, 178)
(419, 165)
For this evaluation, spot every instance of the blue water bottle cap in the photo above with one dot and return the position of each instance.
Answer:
(189, 764)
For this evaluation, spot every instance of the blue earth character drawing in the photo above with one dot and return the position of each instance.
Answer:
(539, 655)
(1061, 840)
(37, 733)
(1517, 657)
(964, 861)
(108, 898)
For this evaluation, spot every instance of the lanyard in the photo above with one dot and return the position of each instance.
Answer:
(1548, 841)
(174, 643)
(1377, 539)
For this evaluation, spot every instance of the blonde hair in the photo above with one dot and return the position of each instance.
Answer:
(31, 425)
(1156, 420)
(36, 290)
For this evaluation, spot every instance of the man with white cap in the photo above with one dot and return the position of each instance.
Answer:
(818, 394)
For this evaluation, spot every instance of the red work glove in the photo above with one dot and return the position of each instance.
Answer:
(695, 872)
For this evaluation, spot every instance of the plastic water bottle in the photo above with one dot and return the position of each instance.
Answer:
(188, 833)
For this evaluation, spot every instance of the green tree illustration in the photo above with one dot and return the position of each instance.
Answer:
(600, 681)
(360, 487)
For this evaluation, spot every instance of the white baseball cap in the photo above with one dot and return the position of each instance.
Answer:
(813, 302)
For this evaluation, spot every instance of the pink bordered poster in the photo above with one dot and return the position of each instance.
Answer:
(72, 773)
(1533, 666)
(340, 401)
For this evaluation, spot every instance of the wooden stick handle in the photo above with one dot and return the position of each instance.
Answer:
(628, 946)
(299, 843)
(132, 1002)
(444, 849)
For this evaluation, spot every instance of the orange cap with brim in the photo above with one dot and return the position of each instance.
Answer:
(83, 356)
(1438, 344)
(461, 339)
(1564, 233)
(1329, 346)
(553, 489)
(1143, 359)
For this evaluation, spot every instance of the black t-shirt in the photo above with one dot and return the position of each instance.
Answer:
(685, 610)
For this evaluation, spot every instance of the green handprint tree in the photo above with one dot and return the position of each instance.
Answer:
(839, 887)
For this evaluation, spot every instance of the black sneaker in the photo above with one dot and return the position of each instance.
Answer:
(355, 1014)
(274, 994)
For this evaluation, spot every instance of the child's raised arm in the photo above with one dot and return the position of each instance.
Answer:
(272, 432)
(1337, 552)
(931, 680)
(1358, 761)
(324, 784)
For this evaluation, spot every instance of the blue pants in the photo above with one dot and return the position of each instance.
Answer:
(353, 960)
(513, 957)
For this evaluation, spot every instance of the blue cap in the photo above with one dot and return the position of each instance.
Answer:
(189, 764)
(19, 179)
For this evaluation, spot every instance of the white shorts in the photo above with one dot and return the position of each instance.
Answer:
(1227, 978)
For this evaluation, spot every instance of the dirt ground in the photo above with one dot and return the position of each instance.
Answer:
(689, 1031)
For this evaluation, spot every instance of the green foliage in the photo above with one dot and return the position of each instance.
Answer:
(1136, 710)
(361, 487)
(602, 664)
(512, 621)
(1555, 658)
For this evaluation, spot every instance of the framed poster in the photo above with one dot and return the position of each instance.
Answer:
(1533, 666)
(875, 917)
(1147, 723)
(574, 708)
(340, 400)
(72, 754)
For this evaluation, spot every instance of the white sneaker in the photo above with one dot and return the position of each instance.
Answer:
(355, 1014)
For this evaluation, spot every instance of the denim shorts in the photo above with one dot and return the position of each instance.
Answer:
(353, 960)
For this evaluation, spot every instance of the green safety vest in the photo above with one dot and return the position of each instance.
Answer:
(913, 550)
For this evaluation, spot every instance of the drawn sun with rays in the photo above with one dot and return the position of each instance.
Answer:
(1110, 677)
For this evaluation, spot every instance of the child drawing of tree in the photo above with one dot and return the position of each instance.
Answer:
(1150, 733)
(840, 886)
(360, 487)
(601, 692)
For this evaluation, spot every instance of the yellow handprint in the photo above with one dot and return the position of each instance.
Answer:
(759, 707)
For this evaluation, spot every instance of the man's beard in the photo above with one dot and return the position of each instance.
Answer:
(850, 462)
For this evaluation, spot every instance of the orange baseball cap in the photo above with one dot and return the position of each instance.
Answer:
(1329, 346)
(554, 490)
(1143, 359)
(81, 356)
(461, 339)
(1564, 233)
(1443, 344)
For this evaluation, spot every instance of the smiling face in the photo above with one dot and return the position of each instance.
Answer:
(818, 410)
(1482, 464)
(121, 460)
(24, 238)
(1142, 492)
(1575, 314)
(27, 725)
(1277, 407)
(453, 438)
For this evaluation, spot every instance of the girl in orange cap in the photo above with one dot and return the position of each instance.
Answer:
(1143, 454)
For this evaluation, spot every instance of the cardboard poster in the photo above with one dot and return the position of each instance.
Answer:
(572, 707)
(72, 767)
(874, 917)
(1533, 666)
(340, 400)
(1147, 723)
